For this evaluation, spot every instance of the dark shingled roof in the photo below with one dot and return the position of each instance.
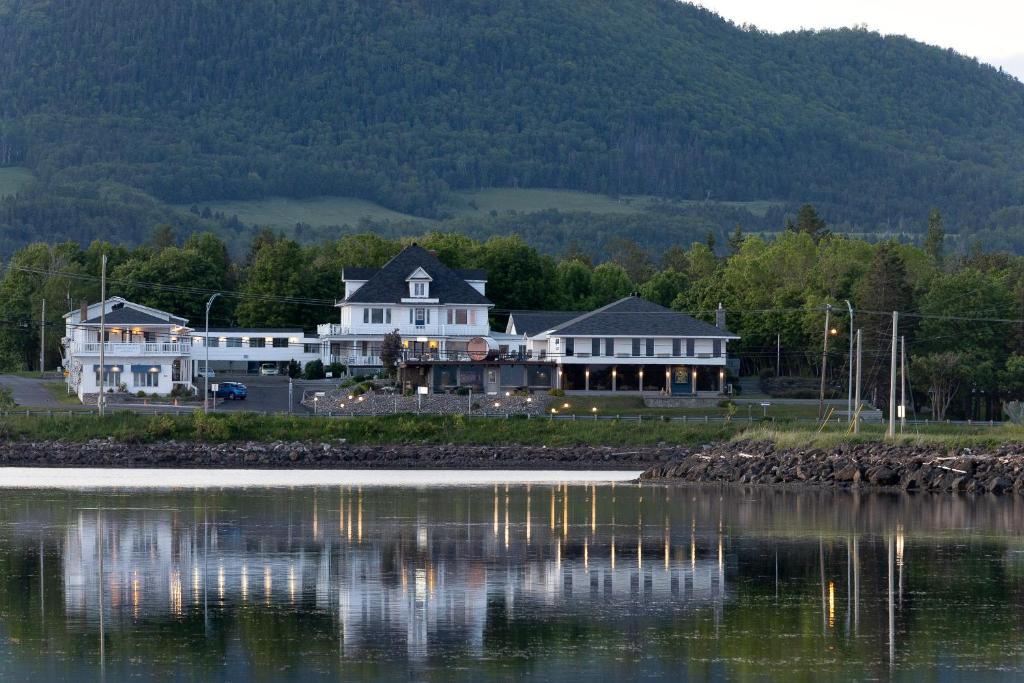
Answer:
(350, 273)
(131, 316)
(389, 285)
(535, 322)
(251, 330)
(639, 317)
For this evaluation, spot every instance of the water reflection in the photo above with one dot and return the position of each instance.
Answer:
(628, 581)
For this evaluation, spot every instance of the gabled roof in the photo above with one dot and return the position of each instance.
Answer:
(124, 312)
(389, 285)
(634, 316)
(532, 323)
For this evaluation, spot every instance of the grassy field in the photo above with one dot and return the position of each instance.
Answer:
(410, 429)
(59, 391)
(327, 211)
(13, 179)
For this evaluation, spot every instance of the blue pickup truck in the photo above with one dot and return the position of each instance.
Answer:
(232, 391)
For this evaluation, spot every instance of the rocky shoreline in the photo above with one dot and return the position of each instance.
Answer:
(997, 470)
(324, 455)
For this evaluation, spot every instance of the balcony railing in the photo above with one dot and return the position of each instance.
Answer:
(133, 348)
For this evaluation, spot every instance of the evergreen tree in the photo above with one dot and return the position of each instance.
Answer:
(808, 221)
(736, 238)
(934, 241)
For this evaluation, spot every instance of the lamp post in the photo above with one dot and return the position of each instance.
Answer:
(849, 383)
(206, 368)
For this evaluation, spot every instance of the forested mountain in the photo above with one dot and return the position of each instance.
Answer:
(399, 101)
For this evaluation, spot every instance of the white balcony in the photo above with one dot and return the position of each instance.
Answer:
(132, 348)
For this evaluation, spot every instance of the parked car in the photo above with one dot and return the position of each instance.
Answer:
(211, 373)
(268, 369)
(232, 391)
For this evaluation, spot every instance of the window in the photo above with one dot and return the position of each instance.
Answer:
(595, 347)
(689, 348)
(376, 316)
(280, 342)
(677, 347)
(110, 378)
(146, 378)
(311, 348)
(420, 317)
(419, 289)
(460, 316)
(570, 346)
(636, 347)
(234, 342)
(609, 347)
(212, 342)
(650, 347)
(257, 343)
(716, 347)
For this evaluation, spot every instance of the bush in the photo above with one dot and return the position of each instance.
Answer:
(336, 369)
(766, 373)
(294, 369)
(726, 404)
(160, 428)
(6, 400)
(140, 393)
(462, 391)
(181, 391)
(314, 369)
(209, 428)
(556, 392)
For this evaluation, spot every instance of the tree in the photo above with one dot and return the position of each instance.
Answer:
(709, 240)
(664, 287)
(391, 352)
(808, 221)
(610, 282)
(271, 286)
(294, 369)
(736, 238)
(163, 236)
(943, 373)
(934, 240)
(634, 260)
(573, 284)
(518, 276)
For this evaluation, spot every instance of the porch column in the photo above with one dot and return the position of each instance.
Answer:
(558, 378)
(640, 384)
(668, 380)
(586, 379)
(693, 382)
(615, 371)
(721, 380)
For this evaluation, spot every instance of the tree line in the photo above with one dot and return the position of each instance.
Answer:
(962, 314)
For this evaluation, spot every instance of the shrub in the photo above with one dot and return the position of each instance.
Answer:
(314, 369)
(140, 393)
(209, 428)
(727, 403)
(337, 369)
(556, 392)
(462, 391)
(294, 369)
(182, 391)
(766, 373)
(6, 400)
(160, 428)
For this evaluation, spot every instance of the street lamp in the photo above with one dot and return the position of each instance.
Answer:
(849, 381)
(206, 368)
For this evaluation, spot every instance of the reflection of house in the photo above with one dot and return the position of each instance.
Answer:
(436, 309)
(146, 349)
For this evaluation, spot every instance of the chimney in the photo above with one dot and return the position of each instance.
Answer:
(720, 317)
(83, 311)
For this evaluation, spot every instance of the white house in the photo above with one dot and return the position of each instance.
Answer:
(436, 310)
(145, 349)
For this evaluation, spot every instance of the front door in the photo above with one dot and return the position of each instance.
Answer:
(681, 381)
(491, 380)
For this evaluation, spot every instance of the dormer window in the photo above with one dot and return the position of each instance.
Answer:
(419, 284)
(419, 290)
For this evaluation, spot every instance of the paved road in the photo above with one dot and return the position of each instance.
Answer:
(28, 391)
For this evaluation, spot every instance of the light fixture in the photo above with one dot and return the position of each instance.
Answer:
(497, 405)
(154, 369)
(529, 399)
(350, 397)
(565, 405)
(554, 410)
(594, 409)
(833, 331)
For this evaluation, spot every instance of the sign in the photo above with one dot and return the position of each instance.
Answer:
(328, 375)
(213, 387)
(320, 394)
(423, 391)
(901, 412)
(765, 404)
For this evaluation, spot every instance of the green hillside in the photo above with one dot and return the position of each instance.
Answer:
(13, 180)
(412, 103)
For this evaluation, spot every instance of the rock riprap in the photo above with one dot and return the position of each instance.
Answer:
(908, 467)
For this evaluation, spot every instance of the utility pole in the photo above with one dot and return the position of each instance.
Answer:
(849, 381)
(289, 394)
(42, 340)
(103, 331)
(891, 433)
(824, 363)
(856, 397)
(778, 354)
(903, 382)
(206, 363)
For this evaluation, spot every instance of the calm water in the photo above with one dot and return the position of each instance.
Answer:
(480, 582)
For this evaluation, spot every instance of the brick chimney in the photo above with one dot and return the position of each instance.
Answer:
(720, 317)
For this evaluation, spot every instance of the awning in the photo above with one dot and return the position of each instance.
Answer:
(146, 368)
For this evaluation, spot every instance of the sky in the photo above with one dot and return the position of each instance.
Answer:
(991, 30)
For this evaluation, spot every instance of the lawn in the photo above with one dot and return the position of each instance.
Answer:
(59, 391)
(13, 180)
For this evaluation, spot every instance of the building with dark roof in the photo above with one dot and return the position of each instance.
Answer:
(437, 310)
